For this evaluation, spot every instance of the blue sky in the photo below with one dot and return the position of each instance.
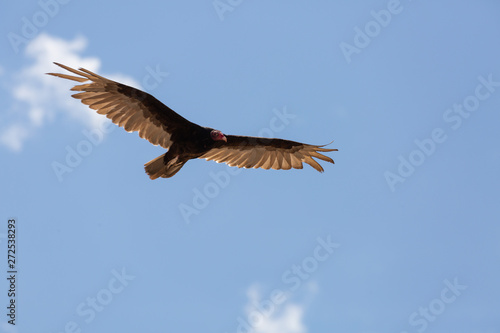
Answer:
(400, 235)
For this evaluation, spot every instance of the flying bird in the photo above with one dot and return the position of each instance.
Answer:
(136, 110)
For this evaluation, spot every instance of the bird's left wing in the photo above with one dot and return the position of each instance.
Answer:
(130, 108)
(254, 152)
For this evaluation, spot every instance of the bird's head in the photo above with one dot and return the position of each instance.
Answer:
(217, 136)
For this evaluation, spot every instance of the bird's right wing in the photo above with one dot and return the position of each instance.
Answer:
(255, 152)
(130, 108)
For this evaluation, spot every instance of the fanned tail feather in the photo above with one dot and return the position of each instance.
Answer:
(160, 167)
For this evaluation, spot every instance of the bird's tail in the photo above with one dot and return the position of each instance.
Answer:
(161, 167)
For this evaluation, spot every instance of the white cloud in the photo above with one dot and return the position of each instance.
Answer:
(39, 98)
(13, 136)
(268, 316)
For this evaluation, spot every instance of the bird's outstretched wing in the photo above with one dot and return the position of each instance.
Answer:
(130, 108)
(254, 152)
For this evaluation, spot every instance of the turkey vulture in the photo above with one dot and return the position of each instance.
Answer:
(135, 110)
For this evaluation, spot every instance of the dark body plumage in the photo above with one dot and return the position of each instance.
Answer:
(135, 110)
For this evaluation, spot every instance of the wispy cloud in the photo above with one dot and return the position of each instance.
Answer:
(37, 99)
(262, 316)
(288, 319)
(13, 136)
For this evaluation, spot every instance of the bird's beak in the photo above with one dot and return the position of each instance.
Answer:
(224, 138)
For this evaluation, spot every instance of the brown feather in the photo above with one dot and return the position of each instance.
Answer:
(251, 152)
(126, 106)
